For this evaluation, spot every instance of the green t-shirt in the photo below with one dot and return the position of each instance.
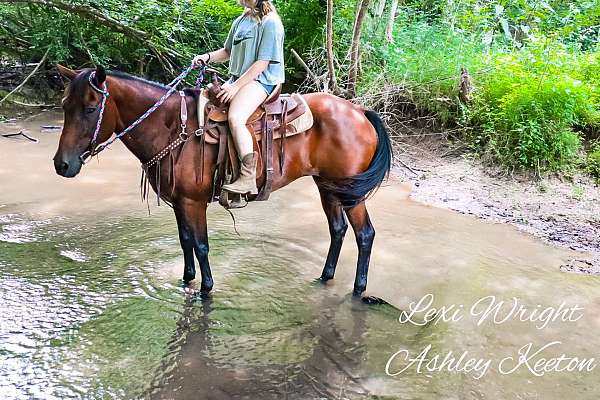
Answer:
(250, 40)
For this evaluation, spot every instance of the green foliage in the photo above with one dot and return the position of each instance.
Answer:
(534, 91)
(527, 109)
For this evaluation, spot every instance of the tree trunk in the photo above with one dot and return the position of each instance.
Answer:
(329, 46)
(391, 20)
(380, 8)
(361, 10)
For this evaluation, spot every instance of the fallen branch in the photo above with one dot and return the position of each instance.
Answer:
(20, 103)
(28, 76)
(310, 73)
(20, 133)
(408, 167)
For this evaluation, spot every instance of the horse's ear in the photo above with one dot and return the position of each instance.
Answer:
(66, 72)
(100, 75)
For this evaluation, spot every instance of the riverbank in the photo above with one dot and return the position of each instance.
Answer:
(563, 211)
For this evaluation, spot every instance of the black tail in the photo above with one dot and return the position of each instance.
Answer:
(355, 189)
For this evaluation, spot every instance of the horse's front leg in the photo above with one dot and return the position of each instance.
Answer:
(193, 234)
(186, 239)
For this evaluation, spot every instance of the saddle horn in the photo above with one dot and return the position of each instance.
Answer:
(214, 90)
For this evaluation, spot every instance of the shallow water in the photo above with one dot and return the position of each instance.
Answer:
(91, 304)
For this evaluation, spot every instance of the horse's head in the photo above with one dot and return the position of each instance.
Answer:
(82, 105)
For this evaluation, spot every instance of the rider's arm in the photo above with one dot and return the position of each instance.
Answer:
(252, 73)
(220, 55)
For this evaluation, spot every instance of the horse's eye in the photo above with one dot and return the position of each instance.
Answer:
(89, 110)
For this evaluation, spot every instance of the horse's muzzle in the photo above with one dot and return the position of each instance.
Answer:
(67, 168)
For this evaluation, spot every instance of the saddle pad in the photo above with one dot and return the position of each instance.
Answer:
(305, 121)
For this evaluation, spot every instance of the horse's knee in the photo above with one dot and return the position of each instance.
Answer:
(338, 229)
(365, 237)
(201, 249)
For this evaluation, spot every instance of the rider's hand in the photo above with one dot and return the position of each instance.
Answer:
(228, 91)
(200, 60)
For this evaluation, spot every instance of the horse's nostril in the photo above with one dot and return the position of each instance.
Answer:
(62, 167)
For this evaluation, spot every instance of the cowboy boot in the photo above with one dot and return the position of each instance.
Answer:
(246, 182)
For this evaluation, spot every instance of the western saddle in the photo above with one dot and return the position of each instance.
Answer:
(280, 116)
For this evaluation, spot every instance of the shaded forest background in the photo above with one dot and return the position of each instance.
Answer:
(516, 82)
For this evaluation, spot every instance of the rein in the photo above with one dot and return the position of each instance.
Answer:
(95, 149)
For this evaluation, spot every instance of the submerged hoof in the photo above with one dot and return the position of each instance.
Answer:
(372, 300)
(204, 295)
(324, 278)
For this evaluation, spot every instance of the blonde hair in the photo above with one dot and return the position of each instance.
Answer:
(258, 8)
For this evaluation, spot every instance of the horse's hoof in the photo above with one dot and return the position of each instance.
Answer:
(205, 289)
(204, 295)
(324, 279)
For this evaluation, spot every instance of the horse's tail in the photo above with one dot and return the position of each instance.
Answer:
(356, 189)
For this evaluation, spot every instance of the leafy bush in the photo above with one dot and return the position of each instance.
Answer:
(527, 111)
(529, 103)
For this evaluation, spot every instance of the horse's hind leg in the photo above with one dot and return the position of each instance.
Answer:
(337, 231)
(365, 234)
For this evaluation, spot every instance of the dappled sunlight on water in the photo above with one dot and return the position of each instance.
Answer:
(91, 304)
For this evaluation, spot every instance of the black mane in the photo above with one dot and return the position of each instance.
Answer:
(123, 75)
(128, 77)
(81, 82)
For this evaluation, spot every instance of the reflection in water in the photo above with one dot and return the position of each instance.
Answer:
(91, 306)
(329, 366)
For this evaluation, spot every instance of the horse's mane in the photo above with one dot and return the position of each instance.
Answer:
(128, 77)
(125, 76)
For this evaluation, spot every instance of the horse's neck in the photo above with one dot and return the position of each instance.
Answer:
(154, 134)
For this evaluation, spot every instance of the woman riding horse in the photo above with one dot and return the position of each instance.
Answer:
(254, 48)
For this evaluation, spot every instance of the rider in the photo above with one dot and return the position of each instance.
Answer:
(254, 48)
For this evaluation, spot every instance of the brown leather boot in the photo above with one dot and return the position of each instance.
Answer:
(246, 182)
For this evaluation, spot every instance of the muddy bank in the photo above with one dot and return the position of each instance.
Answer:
(562, 211)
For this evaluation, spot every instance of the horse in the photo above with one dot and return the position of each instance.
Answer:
(347, 152)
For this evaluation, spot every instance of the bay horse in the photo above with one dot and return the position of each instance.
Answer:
(347, 151)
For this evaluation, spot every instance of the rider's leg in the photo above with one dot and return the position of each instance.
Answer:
(248, 98)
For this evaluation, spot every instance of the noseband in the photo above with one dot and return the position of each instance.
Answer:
(95, 149)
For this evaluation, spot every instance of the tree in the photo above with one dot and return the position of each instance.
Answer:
(361, 11)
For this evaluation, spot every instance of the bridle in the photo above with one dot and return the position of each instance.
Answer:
(95, 149)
